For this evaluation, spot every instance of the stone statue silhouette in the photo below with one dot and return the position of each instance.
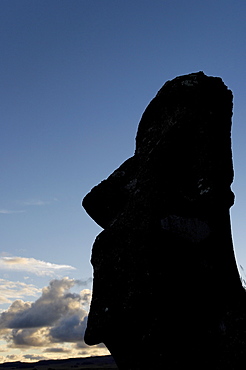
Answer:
(166, 287)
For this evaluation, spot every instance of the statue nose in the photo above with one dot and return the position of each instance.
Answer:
(108, 199)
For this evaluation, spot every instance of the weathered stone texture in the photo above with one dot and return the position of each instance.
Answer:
(166, 288)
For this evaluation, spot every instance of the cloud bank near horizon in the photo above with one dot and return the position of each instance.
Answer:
(56, 318)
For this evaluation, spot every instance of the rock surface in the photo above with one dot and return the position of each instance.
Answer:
(166, 287)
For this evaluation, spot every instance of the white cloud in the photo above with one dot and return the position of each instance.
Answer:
(9, 211)
(29, 338)
(10, 290)
(34, 202)
(27, 203)
(31, 265)
(58, 316)
(55, 304)
(37, 202)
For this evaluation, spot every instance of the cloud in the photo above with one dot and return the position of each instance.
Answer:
(27, 203)
(57, 350)
(70, 329)
(34, 357)
(55, 303)
(37, 202)
(12, 358)
(31, 265)
(8, 211)
(29, 338)
(34, 202)
(16, 308)
(51, 315)
(10, 290)
(58, 316)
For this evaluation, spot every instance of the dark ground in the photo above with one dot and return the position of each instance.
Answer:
(99, 362)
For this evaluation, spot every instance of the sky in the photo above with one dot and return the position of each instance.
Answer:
(75, 78)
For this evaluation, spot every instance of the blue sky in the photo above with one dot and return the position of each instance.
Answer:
(75, 78)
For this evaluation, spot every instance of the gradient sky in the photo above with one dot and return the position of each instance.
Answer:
(75, 78)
